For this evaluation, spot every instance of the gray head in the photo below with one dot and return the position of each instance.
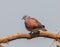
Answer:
(25, 17)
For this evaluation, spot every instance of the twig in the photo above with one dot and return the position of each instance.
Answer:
(28, 36)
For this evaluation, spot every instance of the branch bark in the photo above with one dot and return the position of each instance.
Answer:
(29, 36)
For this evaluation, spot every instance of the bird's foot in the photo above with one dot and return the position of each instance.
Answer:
(37, 32)
(34, 32)
(31, 33)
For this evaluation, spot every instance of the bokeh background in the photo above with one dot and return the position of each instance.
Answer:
(11, 12)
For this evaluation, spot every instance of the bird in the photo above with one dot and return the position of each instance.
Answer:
(32, 24)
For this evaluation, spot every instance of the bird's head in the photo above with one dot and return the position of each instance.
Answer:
(25, 17)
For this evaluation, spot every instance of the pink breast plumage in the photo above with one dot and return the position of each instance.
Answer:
(31, 23)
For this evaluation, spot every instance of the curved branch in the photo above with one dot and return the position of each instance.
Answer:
(29, 36)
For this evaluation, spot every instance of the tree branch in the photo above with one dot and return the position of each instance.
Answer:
(29, 36)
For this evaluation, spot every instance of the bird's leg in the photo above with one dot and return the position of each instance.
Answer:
(31, 32)
(36, 32)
